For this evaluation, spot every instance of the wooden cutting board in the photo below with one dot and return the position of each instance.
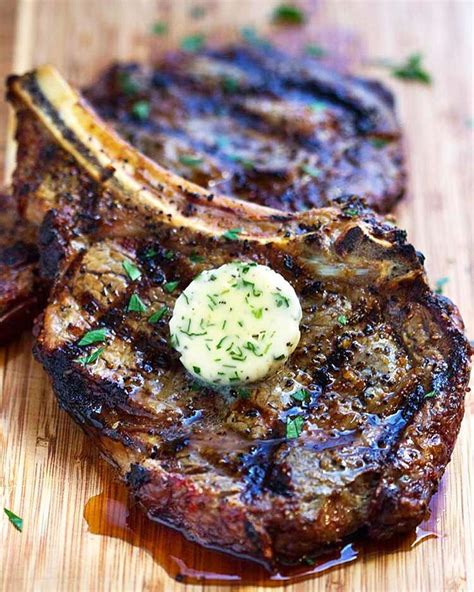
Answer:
(48, 469)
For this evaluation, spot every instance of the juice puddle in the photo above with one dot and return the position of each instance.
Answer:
(111, 513)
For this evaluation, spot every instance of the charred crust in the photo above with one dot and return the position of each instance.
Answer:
(291, 266)
(107, 173)
(252, 534)
(53, 245)
(19, 254)
(137, 477)
(76, 392)
(349, 241)
(280, 217)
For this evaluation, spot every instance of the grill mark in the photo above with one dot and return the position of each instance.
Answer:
(239, 118)
(156, 353)
(338, 93)
(279, 85)
(255, 467)
(261, 472)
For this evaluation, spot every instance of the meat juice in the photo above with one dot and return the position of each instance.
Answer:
(113, 513)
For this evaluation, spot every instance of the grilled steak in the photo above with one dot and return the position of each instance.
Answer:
(22, 294)
(256, 124)
(382, 360)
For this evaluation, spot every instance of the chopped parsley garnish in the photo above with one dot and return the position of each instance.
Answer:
(245, 162)
(232, 234)
(310, 170)
(170, 286)
(131, 270)
(197, 369)
(193, 43)
(300, 395)
(212, 300)
(412, 69)
(430, 395)
(141, 110)
(350, 212)
(315, 51)
(288, 14)
(168, 255)
(91, 358)
(379, 142)
(127, 85)
(439, 285)
(281, 300)
(190, 160)
(14, 519)
(278, 358)
(221, 341)
(158, 315)
(257, 312)
(94, 336)
(243, 393)
(294, 426)
(190, 333)
(195, 258)
(149, 253)
(342, 319)
(159, 28)
(229, 84)
(136, 304)
(237, 354)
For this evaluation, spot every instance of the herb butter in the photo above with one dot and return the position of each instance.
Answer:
(236, 324)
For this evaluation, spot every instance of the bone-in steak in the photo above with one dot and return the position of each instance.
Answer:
(382, 361)
(258, 124)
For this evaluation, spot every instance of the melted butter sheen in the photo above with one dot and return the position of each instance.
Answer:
(236, 324)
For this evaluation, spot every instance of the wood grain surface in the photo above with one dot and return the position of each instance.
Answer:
(48, 469)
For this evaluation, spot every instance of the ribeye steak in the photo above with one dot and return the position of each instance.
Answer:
(382, 360)
(260, 125)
